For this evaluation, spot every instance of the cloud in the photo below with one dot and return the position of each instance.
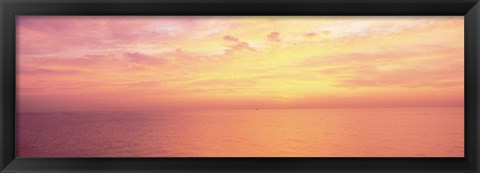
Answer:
(143, 84)
(310, 34)
(406, 75)
(59, 34)
(274, 37)
(407, 66)
(45, 71)
(409, 78)
(95, 56)
(230, 38)
(224, 82)
(239, 46)
(352, 28)
(67, 62)
(398, 81)
(140, 58)
(155, 57)
(386, 53)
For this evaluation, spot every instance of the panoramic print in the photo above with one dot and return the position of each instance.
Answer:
(240, 86)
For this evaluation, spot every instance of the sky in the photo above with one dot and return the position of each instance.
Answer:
(157, 63)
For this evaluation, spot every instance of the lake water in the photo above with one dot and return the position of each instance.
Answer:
(384, 132)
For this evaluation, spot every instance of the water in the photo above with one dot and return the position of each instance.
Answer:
(386, 132)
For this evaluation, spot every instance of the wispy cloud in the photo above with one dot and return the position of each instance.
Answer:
(136, 57)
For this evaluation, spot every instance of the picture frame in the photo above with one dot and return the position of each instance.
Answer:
(470, 9)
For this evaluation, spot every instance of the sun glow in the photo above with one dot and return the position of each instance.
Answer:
(159, 63)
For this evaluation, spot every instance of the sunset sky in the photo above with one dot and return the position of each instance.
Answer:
(92, 63)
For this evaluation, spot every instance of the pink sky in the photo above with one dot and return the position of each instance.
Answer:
(158, 63)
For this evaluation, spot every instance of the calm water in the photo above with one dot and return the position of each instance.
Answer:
(399, 132)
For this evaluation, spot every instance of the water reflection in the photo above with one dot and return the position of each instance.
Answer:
(392, 132)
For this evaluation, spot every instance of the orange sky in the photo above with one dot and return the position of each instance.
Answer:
(168, 63)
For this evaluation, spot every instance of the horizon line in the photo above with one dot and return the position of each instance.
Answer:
(224, 109)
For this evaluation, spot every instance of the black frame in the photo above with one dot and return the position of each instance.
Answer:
(10, 8)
